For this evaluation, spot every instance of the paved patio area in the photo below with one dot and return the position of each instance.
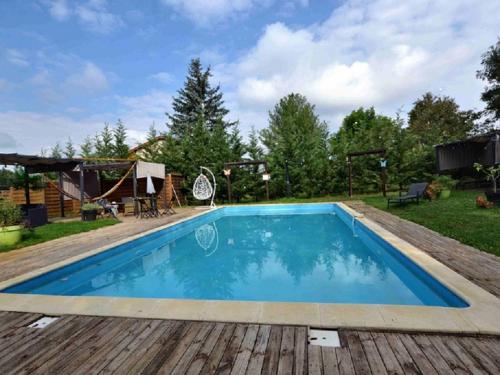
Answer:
(78, 344)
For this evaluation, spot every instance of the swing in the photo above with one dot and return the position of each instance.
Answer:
(202, 188)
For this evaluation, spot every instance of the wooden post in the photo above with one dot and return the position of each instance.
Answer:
(229, 197)
(82, 189)
(27, 187)
(61, 196)
(267, 182)
(134, 184)
(349, 164)
(287, 180)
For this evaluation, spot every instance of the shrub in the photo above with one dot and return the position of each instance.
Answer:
(10, 214)
(90, 207)
(445, 182)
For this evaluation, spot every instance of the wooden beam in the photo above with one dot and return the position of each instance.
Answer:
(27, 186)
(349, 164)
(82, 191)
(61, 195)
(380, 151)
(134, 185)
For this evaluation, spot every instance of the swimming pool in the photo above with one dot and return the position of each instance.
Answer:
(281, 253)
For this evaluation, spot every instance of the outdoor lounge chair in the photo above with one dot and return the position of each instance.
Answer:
(108, 208)
(414, 194)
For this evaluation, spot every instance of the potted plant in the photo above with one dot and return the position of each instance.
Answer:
(446, 184)
(492, 174)
(11, 219)
(89, 211)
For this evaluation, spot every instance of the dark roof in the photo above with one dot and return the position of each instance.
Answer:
(481, 138)
(38, 164)
(145, 144)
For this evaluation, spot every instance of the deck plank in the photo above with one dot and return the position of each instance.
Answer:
(231, 351)
(259, 350)
(285, 364)
(190, 351)
(372, 354)
(329, 357)
(300, 365)
(390, 361)
(272, 356)
(400, 352)
(245, 351)
(315, 360)
(90, 345)
(358, 356)
(173, 349)
(216, 355)
(206, 349)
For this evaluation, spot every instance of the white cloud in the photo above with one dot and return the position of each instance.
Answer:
(93, 14)
(32, 131)
(162, 77)
(4, 84)
(59, 9)
(206, 12)
(96, 17)
(16, 57)
(41, 78)
(7, 142)
(384, 53)
(90, 78)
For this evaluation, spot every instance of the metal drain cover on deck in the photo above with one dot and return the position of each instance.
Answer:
(324, 337)
(43, 322)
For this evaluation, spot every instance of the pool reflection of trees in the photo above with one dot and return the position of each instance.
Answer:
(244, 244)
(247, 241)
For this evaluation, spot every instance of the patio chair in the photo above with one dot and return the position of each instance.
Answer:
(146, 209)
(415, 193)
(128, 206)
(169, 208)
(108, 208)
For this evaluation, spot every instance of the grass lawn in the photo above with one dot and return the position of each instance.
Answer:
(456, 217)
(56, 230)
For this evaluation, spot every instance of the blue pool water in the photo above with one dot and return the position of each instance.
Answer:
(300, 253)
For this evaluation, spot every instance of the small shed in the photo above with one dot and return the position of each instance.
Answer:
(460, 155)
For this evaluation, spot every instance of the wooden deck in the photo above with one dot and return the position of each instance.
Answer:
(86, 345)
(91, 345)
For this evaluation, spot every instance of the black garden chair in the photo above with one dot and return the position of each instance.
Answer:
(415, 193)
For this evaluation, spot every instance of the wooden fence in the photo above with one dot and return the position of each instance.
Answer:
(49, 196)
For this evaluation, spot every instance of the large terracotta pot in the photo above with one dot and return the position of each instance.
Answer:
(10, 235)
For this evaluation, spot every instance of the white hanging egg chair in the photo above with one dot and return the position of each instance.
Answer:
(202, 189)
(205, 236)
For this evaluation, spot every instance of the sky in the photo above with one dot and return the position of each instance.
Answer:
(68, 67)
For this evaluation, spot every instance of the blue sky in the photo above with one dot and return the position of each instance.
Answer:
(66, 67)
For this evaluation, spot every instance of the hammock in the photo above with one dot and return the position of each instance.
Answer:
(113, 189)
(51, 183)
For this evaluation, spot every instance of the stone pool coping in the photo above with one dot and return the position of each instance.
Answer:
(481, 317)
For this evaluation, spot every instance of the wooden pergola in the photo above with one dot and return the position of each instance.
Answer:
(229, 165)
(37, 164)
(383, 176)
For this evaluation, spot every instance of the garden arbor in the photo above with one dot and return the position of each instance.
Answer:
(227, 172)
(383, 164)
